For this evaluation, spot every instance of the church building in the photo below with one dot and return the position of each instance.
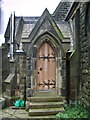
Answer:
(47, 58)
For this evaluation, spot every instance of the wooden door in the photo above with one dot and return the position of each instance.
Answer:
(46, 68)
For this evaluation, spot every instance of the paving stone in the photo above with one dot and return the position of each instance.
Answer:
(13, 113)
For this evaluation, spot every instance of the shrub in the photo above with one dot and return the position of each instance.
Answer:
(73, 112)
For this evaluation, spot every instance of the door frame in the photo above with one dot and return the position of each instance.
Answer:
(35, 45)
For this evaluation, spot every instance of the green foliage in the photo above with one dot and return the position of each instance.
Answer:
(73, 112)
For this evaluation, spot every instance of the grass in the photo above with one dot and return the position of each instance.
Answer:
(76, 112)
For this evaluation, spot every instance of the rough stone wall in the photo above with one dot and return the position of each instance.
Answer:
(21, 73)
(85, 70)
(75, 65)
(63, 74)
(11, 80)
(73, 75)
(5, 64)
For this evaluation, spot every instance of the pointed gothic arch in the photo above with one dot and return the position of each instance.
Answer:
(54, 43)
(49, 37)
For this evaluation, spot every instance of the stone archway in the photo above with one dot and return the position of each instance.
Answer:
(33, 51)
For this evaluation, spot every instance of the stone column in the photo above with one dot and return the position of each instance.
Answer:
(29, 78)
(22, 74)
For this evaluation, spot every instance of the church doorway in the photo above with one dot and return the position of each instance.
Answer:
(46, 67)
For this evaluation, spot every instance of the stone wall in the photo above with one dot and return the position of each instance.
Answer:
(85, 68)
(75, 62)
(80, 62)
(73, 75)
(21, 74)
(5, 64)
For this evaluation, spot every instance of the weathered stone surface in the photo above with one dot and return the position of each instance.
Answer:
(85, 90)
(62, 10)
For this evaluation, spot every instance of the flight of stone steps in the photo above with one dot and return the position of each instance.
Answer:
(45, 105)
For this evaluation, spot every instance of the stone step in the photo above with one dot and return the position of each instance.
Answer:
(41, 112)
(34, 105)
(49, 117)
(45, 105)
(46, 99)
(45, 93)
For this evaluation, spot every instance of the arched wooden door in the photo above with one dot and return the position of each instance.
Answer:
(46, 68)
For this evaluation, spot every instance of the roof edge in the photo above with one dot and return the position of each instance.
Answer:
(70, 12)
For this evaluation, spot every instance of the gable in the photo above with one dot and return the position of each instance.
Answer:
(44, 27)
(45, 23)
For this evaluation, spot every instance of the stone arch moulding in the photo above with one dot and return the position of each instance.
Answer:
(32, 52)
(38, 40)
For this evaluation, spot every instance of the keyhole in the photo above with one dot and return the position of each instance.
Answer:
(40, 69)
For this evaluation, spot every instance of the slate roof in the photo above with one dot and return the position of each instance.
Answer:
(30, 22)
(64, 27)
(28, 25)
